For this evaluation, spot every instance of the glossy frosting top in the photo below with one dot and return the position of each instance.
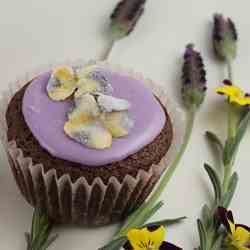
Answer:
(46, 119)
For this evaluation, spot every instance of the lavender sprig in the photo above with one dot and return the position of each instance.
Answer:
(123, 20)
(225, 37)
(125, 17)
(193, 78)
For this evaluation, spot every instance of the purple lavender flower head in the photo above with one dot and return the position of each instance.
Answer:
(225, 38)
(125, 17)
(193, 78)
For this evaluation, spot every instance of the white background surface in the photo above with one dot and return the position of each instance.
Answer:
(34, 33)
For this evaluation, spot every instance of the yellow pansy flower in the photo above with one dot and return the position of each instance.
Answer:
(149, 238)
(234, 94)
(238, 237)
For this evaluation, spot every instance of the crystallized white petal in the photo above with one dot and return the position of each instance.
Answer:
(90, 133)
(85, 108)
(109, 103)
(119, 124)
(61, 84)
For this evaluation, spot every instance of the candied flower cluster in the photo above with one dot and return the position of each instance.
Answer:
(96, 116)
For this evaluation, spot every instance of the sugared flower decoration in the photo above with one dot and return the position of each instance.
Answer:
(193, 78)
(224, 37)
(148, 238)
(125, 17)
(96, 116)
(62, 83)
(235, 94)
(238, 235)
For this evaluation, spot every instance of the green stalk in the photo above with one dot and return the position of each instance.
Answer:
(108, 49)
(171, 169)
(232, 123)
(135, 221)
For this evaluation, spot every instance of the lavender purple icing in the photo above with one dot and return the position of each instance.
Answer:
(46, 119)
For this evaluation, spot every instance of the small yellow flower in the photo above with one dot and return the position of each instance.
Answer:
(144, 239)
(239, 237)
(234, 94)
(149, 239)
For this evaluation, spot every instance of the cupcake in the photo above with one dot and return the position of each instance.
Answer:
(87, 143)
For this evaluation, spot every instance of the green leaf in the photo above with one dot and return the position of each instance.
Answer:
(214, 140)
(217, 245)
(206, 216)
(232, 144)
(231, 190)
(216, 183)
(115, 244)
(148, 214)
(166, 222)
(140, 219)
(38, 238)
(202, 234)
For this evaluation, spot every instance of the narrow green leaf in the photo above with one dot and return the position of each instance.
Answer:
(206, 216)
(232, 144)
(41, 238)
(202, 234)
(115, 244)
(214, 139)
(216, 183)
(228, 149)
(217, 245)
(231, 190)
(148, 214)
(166, 222)
(142, 217)
(35, 224)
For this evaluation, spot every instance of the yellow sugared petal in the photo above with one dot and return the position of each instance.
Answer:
(86, 86)
(119, 124)
(86, 108)
(62, 83)
(90, 133)
(63, 73)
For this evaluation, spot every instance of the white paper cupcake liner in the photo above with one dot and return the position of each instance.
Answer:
(79, 202)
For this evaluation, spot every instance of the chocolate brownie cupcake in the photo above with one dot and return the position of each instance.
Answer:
(87, 143)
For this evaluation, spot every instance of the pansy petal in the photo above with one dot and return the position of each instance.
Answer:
(224, 215)
(85, 108)
(118, 123)
(242, 236)
(243, 226)
(85, 85)
(88, 85)
(109, 103)
(138, 238)
(168, 246)
(90, 133)
(231, 226)
(61, 84)
(157, 237)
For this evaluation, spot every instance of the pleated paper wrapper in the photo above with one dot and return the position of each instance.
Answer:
(79, 202)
